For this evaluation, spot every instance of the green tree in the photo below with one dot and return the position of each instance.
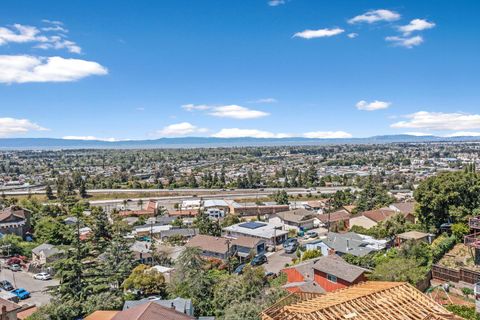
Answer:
(448, 197)
(280, 197)
(191, 280)
(145, 281)
(49, 192)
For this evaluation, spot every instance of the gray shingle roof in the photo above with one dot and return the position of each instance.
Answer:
(336, 266)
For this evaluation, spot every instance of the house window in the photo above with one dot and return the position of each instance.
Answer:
(331, 278)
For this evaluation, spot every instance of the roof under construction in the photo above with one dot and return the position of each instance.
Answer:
(370, 300)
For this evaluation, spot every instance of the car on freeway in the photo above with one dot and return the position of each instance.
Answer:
(289, 241)
(21, 293)
(259, 260)
(291, 248)
(15, 267)
(42, 276)
(6, 285)
(239, 269)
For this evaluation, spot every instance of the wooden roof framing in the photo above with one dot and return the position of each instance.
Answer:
(366, 301)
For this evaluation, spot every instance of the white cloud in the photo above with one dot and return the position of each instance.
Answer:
(407, 42)
(89, 138)
(237, 112)
(372, 106)
(251, 133)
(320, 33)
(12, 126)
(416, 25)
(440, 121)
(56, 42)
(352, 35)
(464, 134)
(19, 33)
(265, 100)
(274, 3)
(23, 68)
(327, 134)
(193, 107)
(180, 129)
(373, 16)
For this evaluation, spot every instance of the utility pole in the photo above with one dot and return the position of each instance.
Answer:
(228, 257)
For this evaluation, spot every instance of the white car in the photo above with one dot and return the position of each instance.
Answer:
(42, 276)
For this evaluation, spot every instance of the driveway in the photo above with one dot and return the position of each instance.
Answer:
(37, 288)
(277, 261)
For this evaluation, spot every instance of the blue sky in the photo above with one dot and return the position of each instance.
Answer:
(149, 69)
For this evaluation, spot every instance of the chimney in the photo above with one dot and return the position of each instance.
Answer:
(3, 316)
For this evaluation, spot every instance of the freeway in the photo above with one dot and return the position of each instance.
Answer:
(223, 194)
(188, 191)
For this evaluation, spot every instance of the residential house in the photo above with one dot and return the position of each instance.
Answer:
(8, 310)
(338, 220)
(253, 209)
(413, 236)
(141, 251)
(342, 243)
(406, 208)
(266, 231)
(151, 311)
(180, 305)
(299, 219)
(211, 247)
(150, 210)
(214, 213)
(167, 272)
(102, 315)
(248, 246)
(191, 205)
(216, 204)
(179, 214)
(301, 278)
(367, 300)
(45, 253)
(144, 311)
(185, 233)
(323, 274)
(315, 205)
(15, 220)
(371, 218)
(332, 273)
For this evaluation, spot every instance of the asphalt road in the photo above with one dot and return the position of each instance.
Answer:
(37, 288)
(190, 191)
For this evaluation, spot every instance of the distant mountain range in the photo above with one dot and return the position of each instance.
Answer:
(206, 142)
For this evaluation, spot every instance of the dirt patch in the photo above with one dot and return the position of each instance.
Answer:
(460, 256)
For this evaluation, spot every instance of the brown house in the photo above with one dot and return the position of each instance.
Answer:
(15, 220)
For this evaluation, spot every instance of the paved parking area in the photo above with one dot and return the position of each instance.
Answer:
(277, 261)
(37, 288)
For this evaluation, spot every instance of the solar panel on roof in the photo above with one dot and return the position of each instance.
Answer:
(252, 225)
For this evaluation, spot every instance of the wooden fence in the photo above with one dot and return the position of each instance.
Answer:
(454, 275)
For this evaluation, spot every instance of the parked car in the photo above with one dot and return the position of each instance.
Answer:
(239, 269)
(311, 235)
(21, 293)
(15, 267)
(259, 260)
(42, 276)
(289, 241)
(6, 285)
(291, 248)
